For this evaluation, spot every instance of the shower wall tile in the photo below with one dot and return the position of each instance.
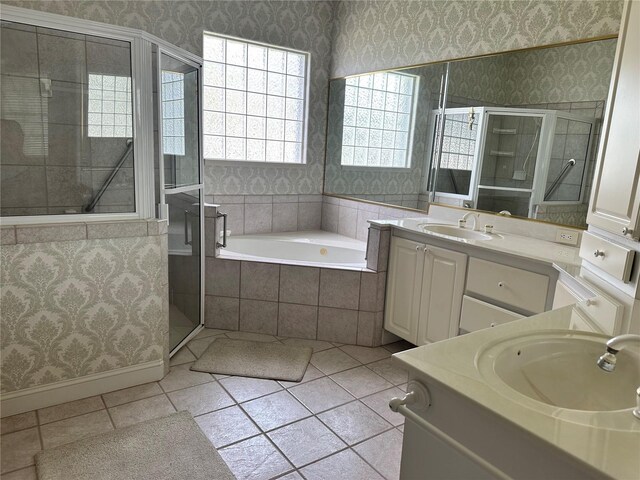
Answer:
(285, 217)
(13, 193)
(309, 216)
(62, 58)
(19, 52)
(67, 103)
(258, 218)
(347, 221)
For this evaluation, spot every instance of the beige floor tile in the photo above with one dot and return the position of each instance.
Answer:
(275, 410)
(141, 410)
(306, 441)
(184, 355)
(75, 428)
(18, 449)
(388, 370)
(18, 422)
(354, 422)
(379, 402)
(366, 354)
(317, 345)
(255, 459)
(332, 361)
(28, 473)
(244, 388)
(201, 399)
(322, 394)
(291, 476)
(226, 426)
(198, 347)
(345, 464)
(311, 374)
(209, 332)
(361, 381)
(388, 463)
(131, 394)
(70, 409)
(181, 377)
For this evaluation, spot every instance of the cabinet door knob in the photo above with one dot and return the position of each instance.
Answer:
(598, 253)
(417, 248)
(426, 250)
(626, 231)
(501, 284)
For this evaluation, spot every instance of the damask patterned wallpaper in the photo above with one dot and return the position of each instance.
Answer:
(75, 308)
(304, 25)
(373, 35)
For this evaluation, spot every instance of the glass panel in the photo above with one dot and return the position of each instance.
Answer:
(180, 129)
(458, 153)
(66, 120)
(511, 148)
(184, 264)
(516, 203)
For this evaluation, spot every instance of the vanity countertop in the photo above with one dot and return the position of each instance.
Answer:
(613, 436)
(508, 243)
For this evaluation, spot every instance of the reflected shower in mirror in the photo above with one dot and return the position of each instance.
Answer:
(520, 134)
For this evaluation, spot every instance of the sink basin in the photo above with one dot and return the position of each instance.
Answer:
(453, 231)
(560, 370)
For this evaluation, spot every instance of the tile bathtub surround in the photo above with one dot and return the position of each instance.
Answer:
(295, 301)
(349, 217)
(327, 426)
(252, 214)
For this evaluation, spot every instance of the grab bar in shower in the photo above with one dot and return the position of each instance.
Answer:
(94, 201)
(224, 231)
(552, 188)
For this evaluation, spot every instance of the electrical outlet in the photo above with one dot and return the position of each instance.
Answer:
(568, 237)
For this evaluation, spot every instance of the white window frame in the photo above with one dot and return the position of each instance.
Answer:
(305, 116)
(143, 142)
(411, 133)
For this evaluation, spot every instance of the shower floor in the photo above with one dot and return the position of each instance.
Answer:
(333, 424)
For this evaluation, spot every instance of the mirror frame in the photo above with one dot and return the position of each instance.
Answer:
(440, 62)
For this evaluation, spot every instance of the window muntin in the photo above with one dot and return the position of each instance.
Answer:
(379, 115)
(173, 113)
(109, 108)
(255, 101)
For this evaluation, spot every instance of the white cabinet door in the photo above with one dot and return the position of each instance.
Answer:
(443, 278)
(404, 279)
(615, 199)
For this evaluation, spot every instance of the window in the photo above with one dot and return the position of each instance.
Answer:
(172, 113)
(458, 142)
(378, 120)
(110, 113)
(255, 101)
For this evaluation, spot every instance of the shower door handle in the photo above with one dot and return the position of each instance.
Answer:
(224, 231)
(186, 228)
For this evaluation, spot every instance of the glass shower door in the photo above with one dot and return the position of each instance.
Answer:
(182, 192)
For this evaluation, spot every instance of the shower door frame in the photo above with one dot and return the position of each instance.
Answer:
(163, 211)
(142, 110)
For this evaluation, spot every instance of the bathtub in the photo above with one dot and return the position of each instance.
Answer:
(312, 248)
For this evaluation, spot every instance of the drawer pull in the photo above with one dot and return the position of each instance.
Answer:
(417, 248)
(501, 284)
(598, 253)
(626, 231)
(426, 250)
(493, 324)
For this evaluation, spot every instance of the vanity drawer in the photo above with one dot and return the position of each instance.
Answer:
(477, 315)
(614, 259)
(508, 285)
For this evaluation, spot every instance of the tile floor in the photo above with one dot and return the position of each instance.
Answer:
(335, 424)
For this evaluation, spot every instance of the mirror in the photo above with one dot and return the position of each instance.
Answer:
(519, 133)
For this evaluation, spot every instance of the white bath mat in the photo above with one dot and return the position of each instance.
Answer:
(169, 448)
(247, 358)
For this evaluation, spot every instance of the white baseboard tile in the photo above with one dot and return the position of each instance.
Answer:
(42, 396)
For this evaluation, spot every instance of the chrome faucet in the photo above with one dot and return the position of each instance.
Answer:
(462, 223)
(607, 361)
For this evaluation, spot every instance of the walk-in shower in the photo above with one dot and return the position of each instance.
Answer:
(518, 160)
(102, 123)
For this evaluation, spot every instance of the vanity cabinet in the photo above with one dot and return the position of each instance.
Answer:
(615, 198)
(424, 291)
